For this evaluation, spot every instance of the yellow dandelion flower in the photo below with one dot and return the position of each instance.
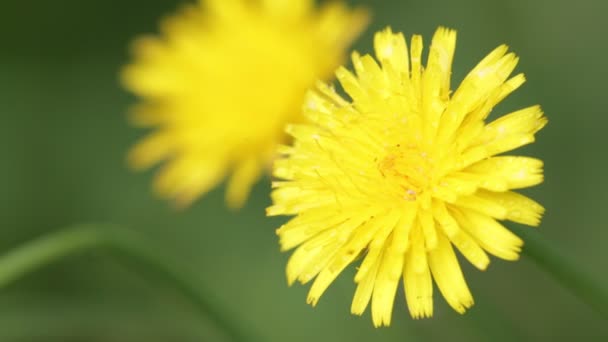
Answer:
(404, 172)
(222, 80)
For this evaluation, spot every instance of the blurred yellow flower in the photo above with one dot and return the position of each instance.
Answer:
(403, 172)
(221, 82)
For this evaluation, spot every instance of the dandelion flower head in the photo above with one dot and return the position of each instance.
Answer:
(404, 171)
(220, 82)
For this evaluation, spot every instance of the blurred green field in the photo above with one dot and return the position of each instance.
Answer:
(64, 136)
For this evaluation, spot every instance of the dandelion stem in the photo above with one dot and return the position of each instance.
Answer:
(126, 244)
(572, 276)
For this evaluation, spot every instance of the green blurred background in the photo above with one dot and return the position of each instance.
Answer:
(64, 135)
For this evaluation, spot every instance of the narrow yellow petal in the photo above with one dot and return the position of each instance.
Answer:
(482, 205)
(473, 124)
(445, 39)
(512, 130)
(416, 59)
(313, 252)
(171, 181)
(316, 265)
(436, 76)
(239, 185)
(475, 89)
(324, 279)
(391, 50)
(351, 85)
(508, 172)
(448, 224)
(508, 87)
(386, 224)
(427, 223)
(498, 95)
(368, 72)
(150, 79)
(401, 232)
(418, 284)
(491, 235)
(362, 237)
(418, 259)
(296, 232)
(520, 208)
(491, 58)
(147, 115)
(151, 150)
(332, 20)
(448, 276)
(450, 227)
(461, 184)
(343, 256)
(471, 250)
(320, 105)
(385, 287)
(366, 284)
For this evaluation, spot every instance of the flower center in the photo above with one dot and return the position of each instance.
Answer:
(409, 169)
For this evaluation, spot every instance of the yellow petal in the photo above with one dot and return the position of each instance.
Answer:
(151, 150)
(292, 200)
(368, 72)
(391, 50)
(520, 208)
(365, 286)
(418, 284)
(442, 48)
(385, 287)
(178, 181)
(416, 60)
(473, 124)
(427, 223)
(448, 276)
(342, 258)
(239, 185)
(351, 85)
(508, 172)
(307, 225)
(386, 224)
(471, 250)
(450, 227)
(498, 95)
(482, 205)
(147, 115)
(401, 233)
(436, 76)
(448, 224)
(461, 184)
(474, 90)
(491, 235)
(512, 130)
(316, 252)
